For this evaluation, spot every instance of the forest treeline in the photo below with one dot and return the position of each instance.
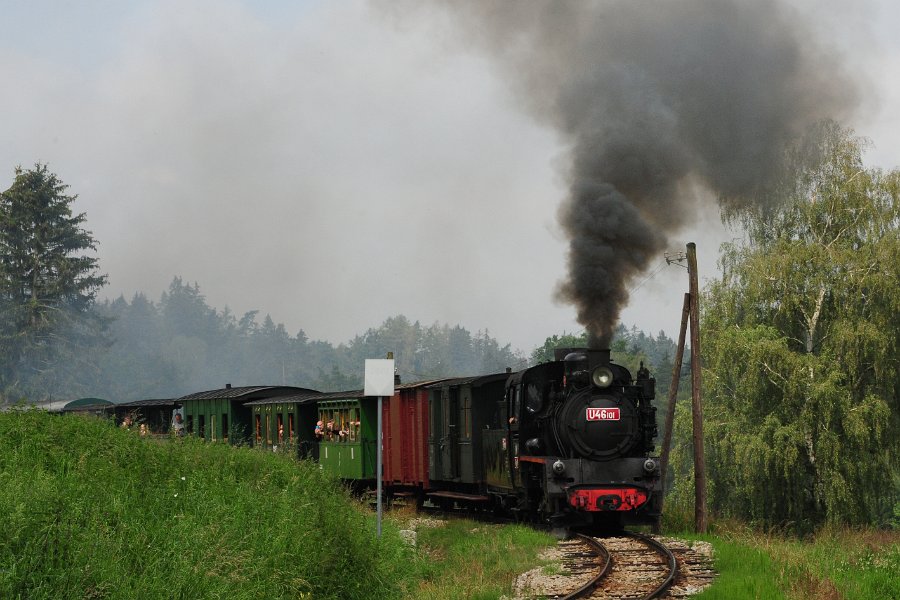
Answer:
(179, 344)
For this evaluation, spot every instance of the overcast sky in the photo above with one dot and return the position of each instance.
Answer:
(331, 164)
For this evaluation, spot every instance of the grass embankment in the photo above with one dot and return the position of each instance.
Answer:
(463, 559)
(836, 563)
(91, 511)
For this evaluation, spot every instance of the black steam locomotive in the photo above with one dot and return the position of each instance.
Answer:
(576, 448)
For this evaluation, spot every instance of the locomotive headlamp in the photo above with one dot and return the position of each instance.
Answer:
(602, 377)
(559, 467)
(650, 465)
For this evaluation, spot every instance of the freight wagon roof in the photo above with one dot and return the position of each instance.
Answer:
(248, 393)
(418, 384)
(474, 381)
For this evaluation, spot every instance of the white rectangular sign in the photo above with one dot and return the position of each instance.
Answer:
(379, 377)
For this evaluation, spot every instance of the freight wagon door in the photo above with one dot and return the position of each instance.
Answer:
(436, 436)
(450, 437)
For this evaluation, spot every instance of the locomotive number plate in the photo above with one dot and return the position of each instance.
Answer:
(603, 414)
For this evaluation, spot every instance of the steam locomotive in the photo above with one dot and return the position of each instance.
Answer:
(580, 437)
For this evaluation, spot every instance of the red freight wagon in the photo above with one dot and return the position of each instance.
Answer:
(405, 421)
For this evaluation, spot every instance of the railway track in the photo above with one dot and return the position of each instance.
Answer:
(627, 566)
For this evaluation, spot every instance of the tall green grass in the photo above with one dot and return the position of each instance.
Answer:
(468, 560)
(834, 563)
(91, 511)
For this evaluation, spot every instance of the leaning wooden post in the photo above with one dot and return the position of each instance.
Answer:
(696, 405)
(673, 394)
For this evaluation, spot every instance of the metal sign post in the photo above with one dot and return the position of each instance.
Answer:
(378, 472)
(379, 382)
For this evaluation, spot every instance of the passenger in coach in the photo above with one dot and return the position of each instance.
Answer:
(178, 425)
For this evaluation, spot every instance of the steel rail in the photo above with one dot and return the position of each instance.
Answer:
(588, 588)
(591, 585)
(670, 559)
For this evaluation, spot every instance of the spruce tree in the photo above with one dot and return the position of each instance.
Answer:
(48, 280)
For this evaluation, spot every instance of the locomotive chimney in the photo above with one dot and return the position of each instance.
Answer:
(227, 386)
(595, 357)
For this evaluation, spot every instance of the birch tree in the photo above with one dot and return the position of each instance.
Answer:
(801, 340)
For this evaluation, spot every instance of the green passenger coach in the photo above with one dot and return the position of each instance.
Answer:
(348, 434)
(223, 415)
(285, 422)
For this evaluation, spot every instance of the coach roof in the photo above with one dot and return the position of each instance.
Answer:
(247, 393)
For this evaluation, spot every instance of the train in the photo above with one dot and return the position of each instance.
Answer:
(568, 443)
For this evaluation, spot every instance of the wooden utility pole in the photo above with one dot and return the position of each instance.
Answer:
(696, 405)
(673, 393)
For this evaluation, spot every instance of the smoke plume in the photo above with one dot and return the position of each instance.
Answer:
(653, 98)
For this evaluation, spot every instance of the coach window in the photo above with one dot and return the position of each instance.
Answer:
(344, 425)
(258, 428)
(190, 424)
(291, 426)
(212, 427)
(225, 426)
(202, 426)
(354, 425)
(280, 421)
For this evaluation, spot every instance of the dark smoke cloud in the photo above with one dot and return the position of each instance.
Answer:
(651, 99)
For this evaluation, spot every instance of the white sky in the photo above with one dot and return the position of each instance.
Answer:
(327, 165)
